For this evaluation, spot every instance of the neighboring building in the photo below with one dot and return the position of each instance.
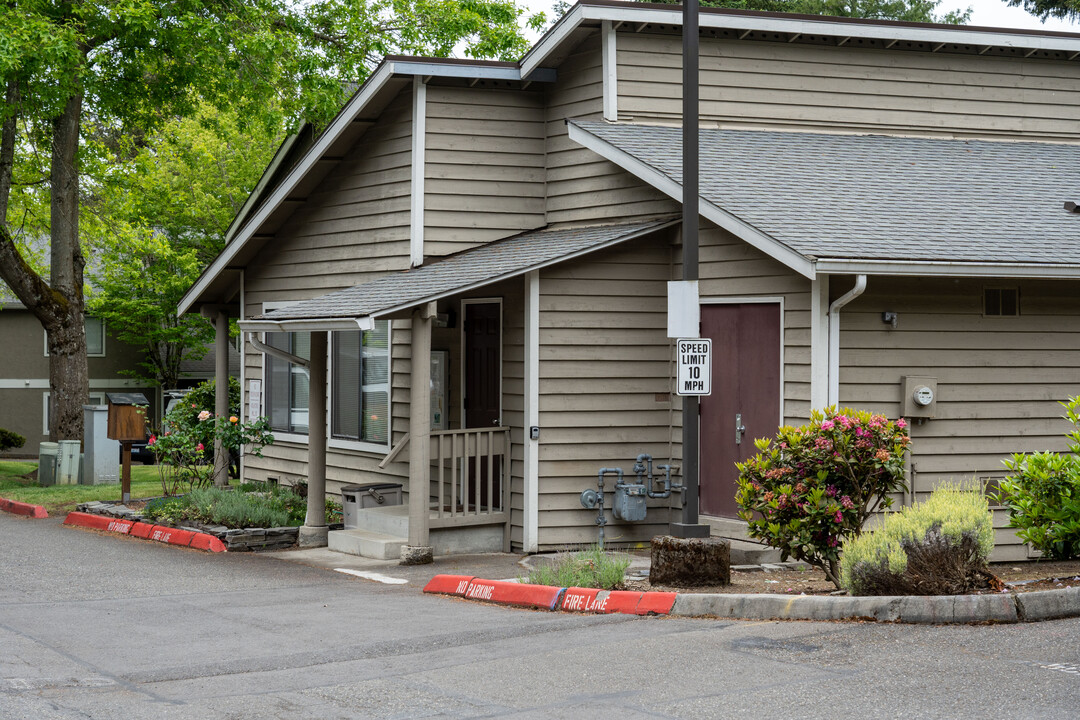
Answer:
(913, 174)
(24, 371)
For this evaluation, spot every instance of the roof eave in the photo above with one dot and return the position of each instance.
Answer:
(948, 268)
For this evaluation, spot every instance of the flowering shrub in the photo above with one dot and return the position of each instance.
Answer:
(185, 445)
(817, 484)
(1043, 494)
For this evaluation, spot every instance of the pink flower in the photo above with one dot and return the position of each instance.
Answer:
(827, 424)
(200, 448)
(204, 415)
(901, 423)
(846, 502)
(839, 517)
(153, 439)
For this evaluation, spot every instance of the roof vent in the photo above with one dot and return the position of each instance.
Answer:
(1072, 207)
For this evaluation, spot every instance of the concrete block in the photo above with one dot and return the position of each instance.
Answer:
(1048, 604)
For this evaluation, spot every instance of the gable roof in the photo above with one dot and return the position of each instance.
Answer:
(871, 203)
(356, 307)
(276, 200)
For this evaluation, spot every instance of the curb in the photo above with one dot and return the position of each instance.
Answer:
(545, 597)
(158, 533)
(929, 610)
(20, 508)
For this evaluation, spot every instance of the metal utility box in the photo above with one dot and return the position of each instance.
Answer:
(67, 462)
(127, 416)
(355, 498)
(629, 502)
(918, 397)
(47, 452)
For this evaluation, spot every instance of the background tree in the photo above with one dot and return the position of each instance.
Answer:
(1043, 9)
(159, 215)
(71, 69)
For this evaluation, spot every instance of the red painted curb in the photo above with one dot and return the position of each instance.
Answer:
(20, 508)
(582, 600)
(449, 584)
(575, 599)
(622, 601)
(656, 603)
(512, 593)
(172, 536)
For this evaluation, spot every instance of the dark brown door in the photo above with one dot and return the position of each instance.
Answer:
(483, 377)
(746, 389)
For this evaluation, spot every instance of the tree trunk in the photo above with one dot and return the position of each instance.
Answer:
(68, 376)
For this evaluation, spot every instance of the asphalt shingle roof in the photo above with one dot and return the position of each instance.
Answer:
(471, 268)
(880, 197)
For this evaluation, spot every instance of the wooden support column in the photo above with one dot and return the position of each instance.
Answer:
(314, 531)
(221, 394)
(419, 550)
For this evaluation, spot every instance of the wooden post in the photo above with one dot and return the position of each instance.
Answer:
(221, 395)
(125, 471)
(418, 551)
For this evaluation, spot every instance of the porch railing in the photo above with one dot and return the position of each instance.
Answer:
(470, 476)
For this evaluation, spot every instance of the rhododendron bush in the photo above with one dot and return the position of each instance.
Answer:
(815, 485)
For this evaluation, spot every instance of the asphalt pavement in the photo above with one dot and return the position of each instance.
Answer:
(101, 626)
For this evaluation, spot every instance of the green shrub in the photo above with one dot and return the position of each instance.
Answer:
(252, 506)
(591, 568)
(1043, 494)
(817, 484)
(10, 440)
(937, 547)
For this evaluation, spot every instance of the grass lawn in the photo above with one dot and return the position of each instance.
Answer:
(61, 499)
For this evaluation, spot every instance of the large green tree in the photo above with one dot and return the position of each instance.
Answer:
(157, 217)
(78, 69)
(1043, 9)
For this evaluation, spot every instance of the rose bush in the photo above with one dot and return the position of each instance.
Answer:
(185, 445)
(815, 485)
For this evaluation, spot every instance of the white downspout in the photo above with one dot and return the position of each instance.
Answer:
(834, 336)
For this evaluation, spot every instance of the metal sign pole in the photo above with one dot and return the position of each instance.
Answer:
(689, 526)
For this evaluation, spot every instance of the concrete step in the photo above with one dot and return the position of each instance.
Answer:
(366, 543)
(386, 519)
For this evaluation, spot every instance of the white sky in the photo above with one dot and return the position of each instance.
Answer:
(990, 13)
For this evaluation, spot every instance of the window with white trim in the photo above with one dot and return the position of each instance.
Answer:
(360, 384)
(286, 384)
(95, 337)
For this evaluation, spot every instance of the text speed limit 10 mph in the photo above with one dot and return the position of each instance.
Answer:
(694, 362)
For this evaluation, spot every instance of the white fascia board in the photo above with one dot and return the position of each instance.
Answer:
(322, 144)
(804, 26)
(946, 268)
(665, 184)
(308, 325)
(434, 68)
(539, 52)
(520, 271)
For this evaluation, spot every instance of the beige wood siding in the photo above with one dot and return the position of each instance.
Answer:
(731, 269)
(484, 172)
(605, 379)
(999, 379)
(780, 85)
(354, 226)
(582, 187)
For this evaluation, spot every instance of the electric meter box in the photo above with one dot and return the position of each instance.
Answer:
(919, 396)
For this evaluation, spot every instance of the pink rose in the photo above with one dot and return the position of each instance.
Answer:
(200, 448)
(153, 439)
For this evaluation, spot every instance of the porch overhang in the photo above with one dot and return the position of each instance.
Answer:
(358, 307)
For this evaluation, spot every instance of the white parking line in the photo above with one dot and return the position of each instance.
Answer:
(377, 577)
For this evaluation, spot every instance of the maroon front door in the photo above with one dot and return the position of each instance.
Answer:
(483, 378)
(746, 390)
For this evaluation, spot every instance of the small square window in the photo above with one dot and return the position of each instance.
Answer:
(1001, 302)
